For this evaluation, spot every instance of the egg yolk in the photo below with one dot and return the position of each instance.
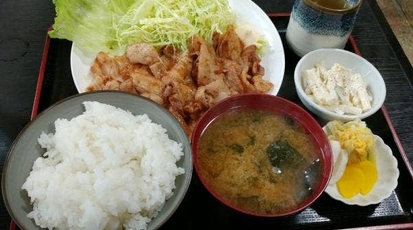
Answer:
(358, 178)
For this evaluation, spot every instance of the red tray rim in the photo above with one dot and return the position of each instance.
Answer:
(37, 95)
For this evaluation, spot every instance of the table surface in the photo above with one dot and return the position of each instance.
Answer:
(24, 25)
(399, 15)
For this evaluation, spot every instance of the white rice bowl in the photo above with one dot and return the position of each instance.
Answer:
(104, 169)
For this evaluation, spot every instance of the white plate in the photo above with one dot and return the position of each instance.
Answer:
(248, 12)
(388, 173)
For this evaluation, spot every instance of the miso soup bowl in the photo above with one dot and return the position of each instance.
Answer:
(260, 168)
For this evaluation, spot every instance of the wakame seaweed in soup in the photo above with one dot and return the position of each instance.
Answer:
(255, 160)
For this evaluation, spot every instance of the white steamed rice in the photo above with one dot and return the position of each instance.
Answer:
(104, 169)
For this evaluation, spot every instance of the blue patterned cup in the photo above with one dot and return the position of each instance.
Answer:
(316, 24)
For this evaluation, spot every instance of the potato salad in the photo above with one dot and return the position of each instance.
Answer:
(337, 89)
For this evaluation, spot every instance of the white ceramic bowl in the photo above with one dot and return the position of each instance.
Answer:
(327, 58)
(25, 150)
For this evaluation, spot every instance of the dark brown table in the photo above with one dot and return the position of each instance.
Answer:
(23, 31)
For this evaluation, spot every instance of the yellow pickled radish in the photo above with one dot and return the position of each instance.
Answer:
(369, 170)
(358, 178)
(350, 183)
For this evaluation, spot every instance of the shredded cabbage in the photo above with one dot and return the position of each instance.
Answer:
(111, 25)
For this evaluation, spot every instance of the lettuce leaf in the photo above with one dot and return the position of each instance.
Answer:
(89, 23)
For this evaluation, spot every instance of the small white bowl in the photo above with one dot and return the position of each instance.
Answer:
(357, 64)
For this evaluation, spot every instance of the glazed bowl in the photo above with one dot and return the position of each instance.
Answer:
(26, 149)
(261, 155)
(375, 85)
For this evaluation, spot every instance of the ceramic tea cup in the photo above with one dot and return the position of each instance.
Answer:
(318, 24)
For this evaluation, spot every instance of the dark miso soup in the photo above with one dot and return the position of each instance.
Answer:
(255, 161)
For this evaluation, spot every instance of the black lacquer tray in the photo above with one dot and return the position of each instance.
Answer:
(200, 210)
